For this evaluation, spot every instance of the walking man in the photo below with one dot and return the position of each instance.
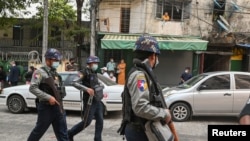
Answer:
(50, 109)
(90, 83)
(140, 91)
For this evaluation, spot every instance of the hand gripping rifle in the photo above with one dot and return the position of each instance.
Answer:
(90, 100)
(170, 124)
(51, 82)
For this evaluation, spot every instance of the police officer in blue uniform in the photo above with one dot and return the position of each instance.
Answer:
(140, 102)
(89, 82)
(49, 106)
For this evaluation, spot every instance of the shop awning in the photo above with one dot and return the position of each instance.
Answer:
(165, 43)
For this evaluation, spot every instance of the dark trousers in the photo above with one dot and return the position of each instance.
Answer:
(48, 115)
(135, 133)
(15, 83)
(96, 111)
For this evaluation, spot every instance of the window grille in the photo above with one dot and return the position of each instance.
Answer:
(178, 10)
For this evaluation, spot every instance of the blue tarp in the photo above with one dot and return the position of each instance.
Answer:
(243, 45)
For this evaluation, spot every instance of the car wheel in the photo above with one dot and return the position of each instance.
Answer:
(16, 104)
(180, 112)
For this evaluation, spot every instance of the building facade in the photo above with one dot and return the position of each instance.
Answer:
(216, 24)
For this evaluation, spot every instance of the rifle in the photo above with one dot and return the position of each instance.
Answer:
(86, 111)
(170, 124)
(90, 100)
(51, 82)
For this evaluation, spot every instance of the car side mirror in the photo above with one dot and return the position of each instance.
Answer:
(202, 87)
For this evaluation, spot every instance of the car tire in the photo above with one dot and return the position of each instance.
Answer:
(180, 112)
(16, 104)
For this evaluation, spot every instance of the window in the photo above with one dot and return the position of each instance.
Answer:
(217, 82)
(69, 78)
(177, 9)
(125, 16)
(242, 81)
(18, 35)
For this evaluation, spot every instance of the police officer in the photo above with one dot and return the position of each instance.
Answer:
(49, 105)
(89, 80)
(139, 106)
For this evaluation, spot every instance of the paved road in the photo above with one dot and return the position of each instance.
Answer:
(16, 127)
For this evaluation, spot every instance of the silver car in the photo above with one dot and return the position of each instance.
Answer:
(221, 93)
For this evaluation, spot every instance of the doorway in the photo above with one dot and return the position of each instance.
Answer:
(215, 62)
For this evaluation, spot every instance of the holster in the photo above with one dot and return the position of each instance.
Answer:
(98, 92)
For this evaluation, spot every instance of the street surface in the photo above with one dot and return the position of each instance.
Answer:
(17, 127)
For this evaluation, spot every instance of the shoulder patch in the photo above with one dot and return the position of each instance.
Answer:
(142, 83)
(37, 75)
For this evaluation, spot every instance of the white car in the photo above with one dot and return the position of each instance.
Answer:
(18, 98)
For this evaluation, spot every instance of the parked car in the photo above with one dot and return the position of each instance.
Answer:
(18, 98)
(209, 94)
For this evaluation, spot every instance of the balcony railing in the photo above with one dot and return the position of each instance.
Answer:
(19, 49)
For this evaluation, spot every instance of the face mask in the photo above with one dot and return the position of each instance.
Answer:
(186, 71)
(55, 64)
(94, 67)
(111, 75)
(112, 60)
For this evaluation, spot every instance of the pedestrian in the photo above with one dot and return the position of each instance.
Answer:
(139, 103)
(104, 72)
(46, 85)
(244, 117)
(29, 74)
(165, 18)
(111, 66)
(112, 77)
(90, 81)
(186, 75)
(14, 74)
(121, 69)
(2, 78)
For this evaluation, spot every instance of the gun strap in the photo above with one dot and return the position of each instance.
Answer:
(82, 104)
(153, 78)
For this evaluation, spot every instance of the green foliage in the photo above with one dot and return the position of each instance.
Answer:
(9, 9)
(59, 12)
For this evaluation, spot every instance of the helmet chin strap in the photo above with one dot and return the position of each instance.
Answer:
(154, 64)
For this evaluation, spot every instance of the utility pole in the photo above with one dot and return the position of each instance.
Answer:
(45, 29)
(93, 27)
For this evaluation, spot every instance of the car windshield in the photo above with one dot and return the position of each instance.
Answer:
(106, 80)
(192, 81)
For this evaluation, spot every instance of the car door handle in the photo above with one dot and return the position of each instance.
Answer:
(227, 94)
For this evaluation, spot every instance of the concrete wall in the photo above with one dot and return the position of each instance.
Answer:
(143, 19)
